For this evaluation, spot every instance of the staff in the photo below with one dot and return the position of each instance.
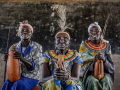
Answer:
(7, 53)
(98, 65)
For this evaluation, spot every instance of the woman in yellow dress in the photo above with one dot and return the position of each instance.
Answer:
(61, 67)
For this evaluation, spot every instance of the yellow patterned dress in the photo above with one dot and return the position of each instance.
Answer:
(68, 60)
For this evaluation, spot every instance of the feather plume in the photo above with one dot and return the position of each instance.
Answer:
(61, 12)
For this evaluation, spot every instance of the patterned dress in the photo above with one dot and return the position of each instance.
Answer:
(88, 51)
(29, 77)
(68, 60)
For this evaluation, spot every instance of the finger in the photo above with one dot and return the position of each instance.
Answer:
(95, 58)
(16, 57)
(5, 56)
(60, 72)
(6, 53)
(99, 53)
(5, 59)
(16, 53)
(60, 78)
(58, 69)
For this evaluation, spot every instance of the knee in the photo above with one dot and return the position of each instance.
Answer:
(7, 85)
(18, 83)
(8, 81)
(106, 80)
(92, 79)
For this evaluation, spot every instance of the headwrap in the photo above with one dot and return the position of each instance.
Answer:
(99, 28)
(26, 24)
(92, 25)
(62, 32)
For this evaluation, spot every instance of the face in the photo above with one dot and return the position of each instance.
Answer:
(62, 41)
(25, 33)
(94, 33)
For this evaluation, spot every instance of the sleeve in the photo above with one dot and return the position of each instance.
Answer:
(45, 58)
(78, 59)
(109, 65)
(33, 65)
(36, 57)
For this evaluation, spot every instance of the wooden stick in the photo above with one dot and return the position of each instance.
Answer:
(7, 53)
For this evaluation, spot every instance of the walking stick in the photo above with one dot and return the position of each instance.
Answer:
(7, 53)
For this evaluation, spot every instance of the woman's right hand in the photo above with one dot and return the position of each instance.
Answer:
(5, 56)
(99, 56)
(61, 74)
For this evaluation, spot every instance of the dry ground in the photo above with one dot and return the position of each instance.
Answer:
(116, 60)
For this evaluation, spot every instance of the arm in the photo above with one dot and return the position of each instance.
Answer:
(35, 60)
(109, 65)
(46, 72)
(46, 75)
(18, 55)
(75, 71)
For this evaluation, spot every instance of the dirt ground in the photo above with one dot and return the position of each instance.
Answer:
(115, 60)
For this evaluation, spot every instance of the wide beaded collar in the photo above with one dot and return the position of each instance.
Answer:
(95, 46)
(69, 56)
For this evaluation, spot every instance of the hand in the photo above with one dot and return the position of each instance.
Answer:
(5, 56)
(99, 56)
(18, 55)
(61, 74)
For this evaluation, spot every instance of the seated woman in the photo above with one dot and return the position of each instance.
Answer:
(91, 50)
(61, 67)
(29, 55)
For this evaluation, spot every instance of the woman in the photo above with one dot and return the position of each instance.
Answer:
(61, 67)
(91, 50)
(29, 54)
